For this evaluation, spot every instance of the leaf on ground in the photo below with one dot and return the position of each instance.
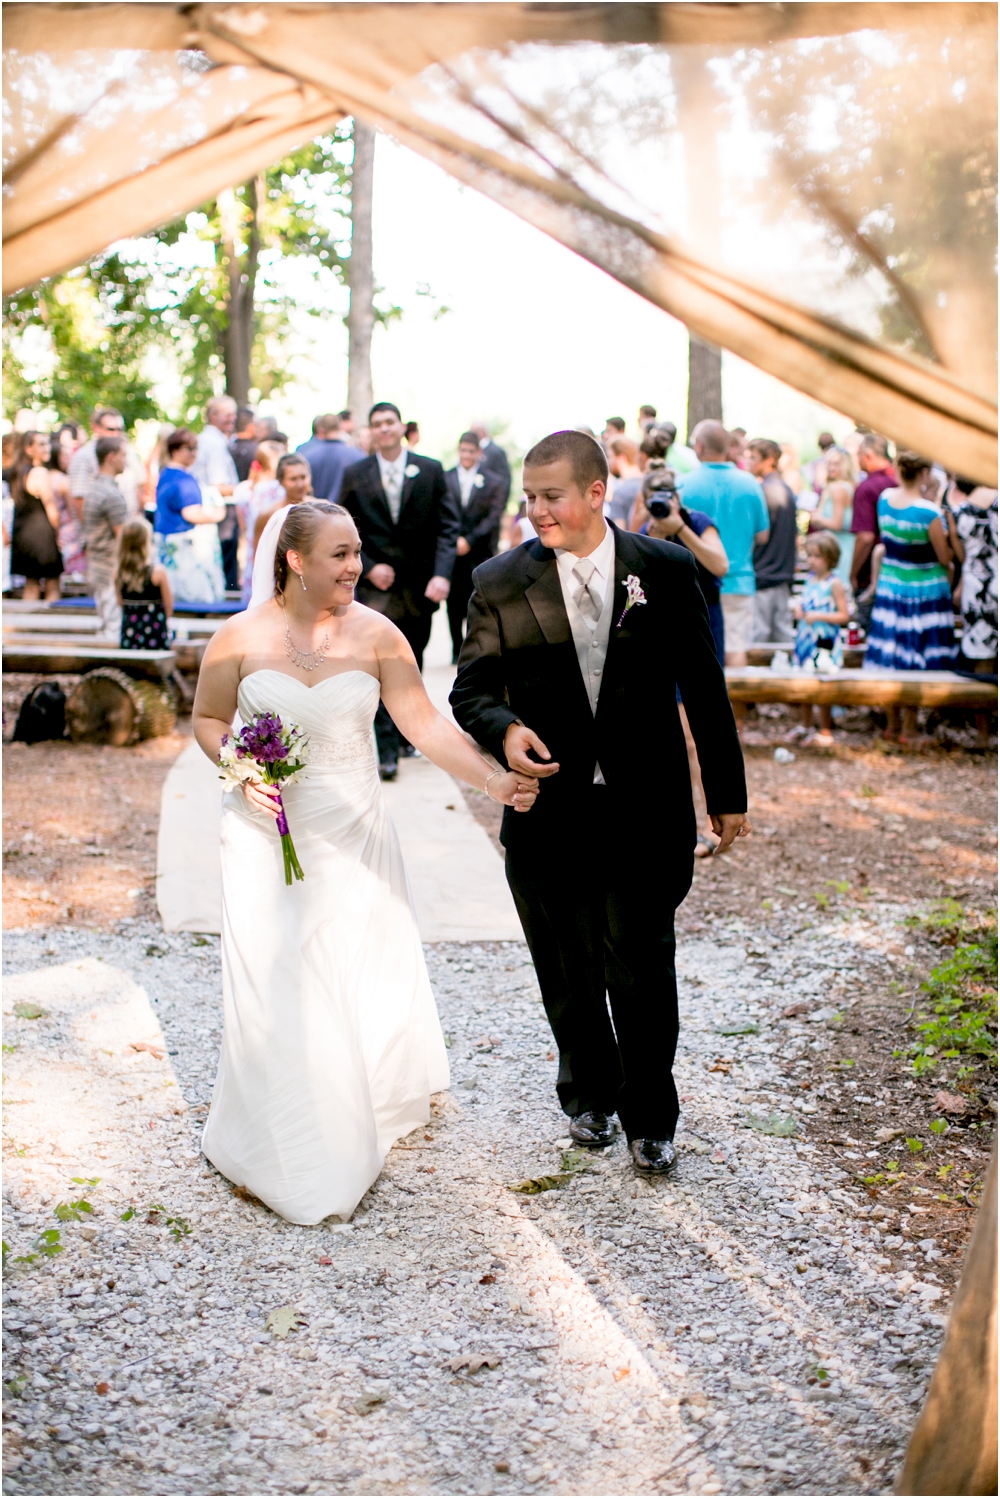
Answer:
(573, 1163)
(950, 1102)
(794, 1009)
(283, 1320)
(886, 1136)
(473, 1361)
(369, 1402)
(737, 1027)
(24, 1010)
(723, 1064)
(155, 1051)
(778, 1125)
(536, 1184)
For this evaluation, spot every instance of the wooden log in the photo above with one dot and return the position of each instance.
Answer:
(953, 1448)
(108, 707)
(861, 688)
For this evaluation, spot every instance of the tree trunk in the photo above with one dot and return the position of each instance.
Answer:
(697, 103)
(704, 383)
(361, 279)
(241, 271)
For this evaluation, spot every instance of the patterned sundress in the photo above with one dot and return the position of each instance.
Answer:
(144, 619)
(978, 530)
(810, 635)
(913, 620)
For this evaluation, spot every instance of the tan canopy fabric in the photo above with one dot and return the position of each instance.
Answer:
(811, 186)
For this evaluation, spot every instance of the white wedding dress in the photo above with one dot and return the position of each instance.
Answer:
(332, 1045)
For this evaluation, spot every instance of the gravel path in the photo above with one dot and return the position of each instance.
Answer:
(737, 1328)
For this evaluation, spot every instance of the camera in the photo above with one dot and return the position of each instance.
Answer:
(658, 501)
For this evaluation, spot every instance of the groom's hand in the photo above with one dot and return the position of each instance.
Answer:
(728, 826)
(516, 743)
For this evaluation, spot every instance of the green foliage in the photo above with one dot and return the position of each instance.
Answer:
(75, 1211)
(157, 1216)
(939, 1126)
(777, 1125)
(962, 991)
(914, 1146)
(46, 1246)
(106, 318)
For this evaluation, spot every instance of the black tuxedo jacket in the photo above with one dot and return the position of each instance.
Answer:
(519, 663)
(480, 520)
(422, 544)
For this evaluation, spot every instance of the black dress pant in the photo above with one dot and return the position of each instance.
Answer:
(413, 615)
(598, 918)
(458, 600)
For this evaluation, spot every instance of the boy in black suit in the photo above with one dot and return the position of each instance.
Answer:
(480, 497)
(409, 529)
(575, 644)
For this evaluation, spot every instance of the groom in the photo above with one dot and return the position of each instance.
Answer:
(575, 644)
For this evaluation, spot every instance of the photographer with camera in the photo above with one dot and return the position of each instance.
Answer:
(670, 521)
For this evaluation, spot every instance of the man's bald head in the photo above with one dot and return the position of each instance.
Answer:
(711, 441)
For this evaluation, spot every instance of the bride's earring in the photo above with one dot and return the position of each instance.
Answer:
(303, 582)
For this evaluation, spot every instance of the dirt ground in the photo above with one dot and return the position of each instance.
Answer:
(80, 824)
(850, 830)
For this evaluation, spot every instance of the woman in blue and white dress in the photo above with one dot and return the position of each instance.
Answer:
(187, 526)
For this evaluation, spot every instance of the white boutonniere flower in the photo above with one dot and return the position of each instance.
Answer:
(477, 482)
(410, 471)
(633, 589)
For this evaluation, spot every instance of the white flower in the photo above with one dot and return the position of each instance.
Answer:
(633, 589)
(635, 593)
(477, 482)
(411, 470)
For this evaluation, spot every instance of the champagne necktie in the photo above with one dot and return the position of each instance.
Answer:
(585, 597)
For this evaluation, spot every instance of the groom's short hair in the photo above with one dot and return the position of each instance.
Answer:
(585, 457)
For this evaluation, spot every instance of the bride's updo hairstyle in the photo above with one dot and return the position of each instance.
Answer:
(298, 533)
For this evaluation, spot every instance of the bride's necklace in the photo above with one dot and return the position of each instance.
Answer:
(306, 660)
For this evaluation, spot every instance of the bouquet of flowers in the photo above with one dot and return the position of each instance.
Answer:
(265, 749)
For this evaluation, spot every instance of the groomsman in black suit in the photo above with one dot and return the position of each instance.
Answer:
(492, 458)
(409, 528)
(575, 643)
(480, 497)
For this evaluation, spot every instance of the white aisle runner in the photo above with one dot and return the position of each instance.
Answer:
(456, 875)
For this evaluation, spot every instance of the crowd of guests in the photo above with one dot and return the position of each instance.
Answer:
(858, 545)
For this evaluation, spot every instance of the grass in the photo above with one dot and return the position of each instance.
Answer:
(957, 1018)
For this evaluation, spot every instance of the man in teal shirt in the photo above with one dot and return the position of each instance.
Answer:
(734, 502)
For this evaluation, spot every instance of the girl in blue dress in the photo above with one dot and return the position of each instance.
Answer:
(821, 609)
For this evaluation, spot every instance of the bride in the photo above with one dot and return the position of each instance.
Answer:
(331, 1046)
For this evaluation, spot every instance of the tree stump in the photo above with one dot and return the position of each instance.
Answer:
(108, 707)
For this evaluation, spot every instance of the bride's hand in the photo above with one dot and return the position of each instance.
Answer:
(261, 797)
(513, 789)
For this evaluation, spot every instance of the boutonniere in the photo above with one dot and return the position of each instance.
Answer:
(410, 471)
(477, 482)
(633, 588)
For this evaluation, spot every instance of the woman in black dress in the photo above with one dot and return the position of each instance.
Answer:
(35, 553)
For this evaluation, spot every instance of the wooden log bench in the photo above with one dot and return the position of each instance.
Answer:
(857, 688)
(763, 654)
(73, 656)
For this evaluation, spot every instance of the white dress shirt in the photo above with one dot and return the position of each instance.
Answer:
(601, 582)
(466, 483)
(393, 477)
(604, 567)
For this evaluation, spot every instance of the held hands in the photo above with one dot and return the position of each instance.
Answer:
(728, 826)
(516, 743)
(462, 547)
(381, 576)
(261, 797)
(437, 589)
(518, 791)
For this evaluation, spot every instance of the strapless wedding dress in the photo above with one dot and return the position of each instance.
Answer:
(332, 1045)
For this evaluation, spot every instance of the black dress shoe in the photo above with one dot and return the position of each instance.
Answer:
(388, 770)
(595, 1130)
(653, 1156)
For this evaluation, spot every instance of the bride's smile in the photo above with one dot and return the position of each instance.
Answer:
(328, 574)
